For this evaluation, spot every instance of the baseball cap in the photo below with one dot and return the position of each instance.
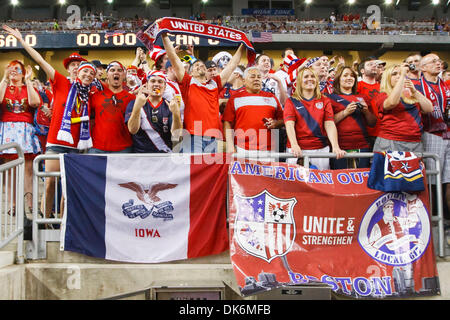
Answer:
(210, 64)
(98, 64)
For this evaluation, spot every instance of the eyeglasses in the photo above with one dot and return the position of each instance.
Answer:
(434, 61)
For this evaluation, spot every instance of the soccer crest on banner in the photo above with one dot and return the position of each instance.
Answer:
(265, 225)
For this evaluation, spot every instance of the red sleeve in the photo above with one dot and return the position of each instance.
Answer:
(289, 113)
(58, 81)
(377, 104)
(329, 114)
(184, 84)
(218, 80)
(229, 113)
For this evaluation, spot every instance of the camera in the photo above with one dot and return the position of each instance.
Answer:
(412, 67)
(359, 106)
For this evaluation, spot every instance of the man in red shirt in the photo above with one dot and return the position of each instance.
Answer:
(413, 60)
(201, 98)
(252, 113)
(436, 137)
(369, 88)
(107, 112)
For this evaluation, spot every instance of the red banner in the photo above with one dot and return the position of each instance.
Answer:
(290, 225)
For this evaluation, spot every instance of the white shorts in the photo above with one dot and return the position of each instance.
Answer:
(319, 163)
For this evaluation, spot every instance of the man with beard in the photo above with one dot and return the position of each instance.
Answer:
(413, 60)
(369, 88)
(201, 98)
(107, 112)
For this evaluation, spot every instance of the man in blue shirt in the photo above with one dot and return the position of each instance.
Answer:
(153, 122)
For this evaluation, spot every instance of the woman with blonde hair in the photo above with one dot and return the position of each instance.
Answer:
(400, 106)
(309, 121)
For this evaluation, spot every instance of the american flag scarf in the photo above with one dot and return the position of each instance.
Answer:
(81, 93)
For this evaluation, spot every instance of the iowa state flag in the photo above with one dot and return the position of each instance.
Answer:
(143, 209)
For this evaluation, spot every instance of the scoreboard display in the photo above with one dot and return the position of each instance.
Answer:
(92, 40)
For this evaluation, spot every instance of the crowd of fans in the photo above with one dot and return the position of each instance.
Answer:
(170, 101)
(335, 23)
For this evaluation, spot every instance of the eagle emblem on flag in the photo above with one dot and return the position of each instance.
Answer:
(148, 195)
(264, 225)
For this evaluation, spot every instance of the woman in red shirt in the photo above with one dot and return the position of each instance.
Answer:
(69, 128)
(18, 99)
(400, 106)
(309, 121)
(352, 116)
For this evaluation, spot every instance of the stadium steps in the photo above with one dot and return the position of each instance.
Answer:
(67, 275)
(6, 258)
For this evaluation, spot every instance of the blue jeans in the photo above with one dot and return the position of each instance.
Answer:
(344, 163)
(198, 144)
(60, 149)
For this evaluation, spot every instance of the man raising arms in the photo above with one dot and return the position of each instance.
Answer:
(201, 98)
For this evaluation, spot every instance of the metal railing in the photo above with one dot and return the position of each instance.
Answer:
(36, 251)
(12, 175)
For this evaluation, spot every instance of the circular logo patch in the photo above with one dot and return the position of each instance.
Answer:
(395, 230)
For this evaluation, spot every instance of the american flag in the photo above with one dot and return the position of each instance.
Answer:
(114, 33)
(258, 232)
(261, 36)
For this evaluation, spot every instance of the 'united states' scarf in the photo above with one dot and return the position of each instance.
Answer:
(149, 34)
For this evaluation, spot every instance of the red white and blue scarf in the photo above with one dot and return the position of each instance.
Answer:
(81, 93)
(150, 33)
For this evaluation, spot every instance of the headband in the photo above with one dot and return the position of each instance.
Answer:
(156, 73)
(85, 64)
(115, 64)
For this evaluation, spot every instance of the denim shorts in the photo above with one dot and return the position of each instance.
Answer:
(98, 151)
(60, 149)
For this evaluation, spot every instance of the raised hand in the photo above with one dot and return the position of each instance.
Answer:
(28, 73)
(14, 32)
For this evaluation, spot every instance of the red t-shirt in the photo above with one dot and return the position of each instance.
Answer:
(402, 123)
(350, 133)
(439, 94)
(310, 131)
(201, 104)
(109, 131)
(61, 86)
(247, 110)
(369, 93)
(15, 107)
